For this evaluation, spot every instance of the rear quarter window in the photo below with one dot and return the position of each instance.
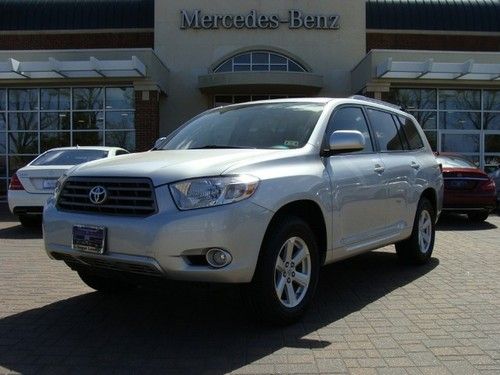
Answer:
(385, 130)
(411, 133)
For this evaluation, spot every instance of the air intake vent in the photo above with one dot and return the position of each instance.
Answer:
(122, 196)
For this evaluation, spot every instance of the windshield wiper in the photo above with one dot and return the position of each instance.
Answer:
(218, 146)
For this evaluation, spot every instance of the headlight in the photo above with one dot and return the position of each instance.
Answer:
(212, 191)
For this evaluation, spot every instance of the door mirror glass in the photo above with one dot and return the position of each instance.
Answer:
(158, 142)
(346, 141)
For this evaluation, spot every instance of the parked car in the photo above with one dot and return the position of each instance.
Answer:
(467, 189)
(260, 193)
(32, 185)
(496, 177)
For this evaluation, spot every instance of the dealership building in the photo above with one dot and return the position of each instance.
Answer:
(124, 72)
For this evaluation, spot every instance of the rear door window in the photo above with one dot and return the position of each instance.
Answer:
(411, 133)
(350, 118)
(385, 130)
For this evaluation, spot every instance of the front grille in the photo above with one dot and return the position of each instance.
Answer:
(125, 196)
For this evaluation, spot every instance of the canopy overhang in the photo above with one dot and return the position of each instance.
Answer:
(428, 69)
(268, 82)
(54, 68)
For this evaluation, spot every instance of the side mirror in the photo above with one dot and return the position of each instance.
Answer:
(346, 141)
(158, 142)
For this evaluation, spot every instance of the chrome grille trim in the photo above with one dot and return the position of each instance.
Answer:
(126, 196)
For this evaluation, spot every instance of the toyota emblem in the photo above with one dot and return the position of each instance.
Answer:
(98, 195)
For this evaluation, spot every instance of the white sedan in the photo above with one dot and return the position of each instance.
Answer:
(32, 185)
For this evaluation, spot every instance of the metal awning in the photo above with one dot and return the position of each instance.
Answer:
(428, 69)
(53, 68)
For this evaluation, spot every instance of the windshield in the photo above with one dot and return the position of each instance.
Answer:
(272, 125)
(455, 162)
(69, 157)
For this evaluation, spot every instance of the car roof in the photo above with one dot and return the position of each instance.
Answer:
(358, 100)
(100, 148)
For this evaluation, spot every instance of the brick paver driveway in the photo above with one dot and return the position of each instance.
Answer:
(371, 315)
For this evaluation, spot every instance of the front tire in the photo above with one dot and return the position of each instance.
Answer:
(478, 217)
(287, 272)
(104, 284)
(417, 249)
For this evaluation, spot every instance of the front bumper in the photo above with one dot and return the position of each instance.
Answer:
(163, 243)
(22, 202)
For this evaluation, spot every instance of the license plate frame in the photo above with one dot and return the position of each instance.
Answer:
(89, 238)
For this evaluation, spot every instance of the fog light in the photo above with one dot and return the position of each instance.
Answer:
(218, 258)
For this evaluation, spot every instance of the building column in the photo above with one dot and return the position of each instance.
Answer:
(377, 90)
(147, 117)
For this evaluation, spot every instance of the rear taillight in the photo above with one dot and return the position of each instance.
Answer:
(488, 185)
(15, 183)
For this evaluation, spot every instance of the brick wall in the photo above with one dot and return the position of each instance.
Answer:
(375, 40)
(147, 119)
(141, 39)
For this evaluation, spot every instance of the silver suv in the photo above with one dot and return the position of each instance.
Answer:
(260, 194)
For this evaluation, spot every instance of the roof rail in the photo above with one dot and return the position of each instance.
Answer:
(376, 101)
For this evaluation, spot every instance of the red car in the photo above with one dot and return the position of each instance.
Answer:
(467, 189)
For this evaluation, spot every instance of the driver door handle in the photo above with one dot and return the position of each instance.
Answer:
(379, 169)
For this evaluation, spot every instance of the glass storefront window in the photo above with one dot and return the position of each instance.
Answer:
(2, 100)
(23, 99)
(88, 120)
(491, 100)
(119, 120)
(23, 121)
(87, 138)
(88, 98)
(492, 143)
(3, 144)
(55, 99)
(262, 61)
(432, 138)
(411, 99)
(3, 125)
(491, 121)
(460, 99)
(23, 143)
(462, 143)
(426, 119)
(50, 140)
(124, 139)
(460, 120)
(120, 98)
(19, 161)
(55, 120)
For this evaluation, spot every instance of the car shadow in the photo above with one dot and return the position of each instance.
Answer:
(18, 232)
(188, 328)
(451, 221)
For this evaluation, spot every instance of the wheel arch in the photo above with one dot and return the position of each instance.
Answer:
(431, 195)
(310, 212)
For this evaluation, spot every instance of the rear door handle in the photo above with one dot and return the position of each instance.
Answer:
(379, 169)
(415, 165)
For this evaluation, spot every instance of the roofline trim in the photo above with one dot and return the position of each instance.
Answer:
(77, 31)
(433, 32)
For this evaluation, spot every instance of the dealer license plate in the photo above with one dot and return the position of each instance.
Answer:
(89, 238)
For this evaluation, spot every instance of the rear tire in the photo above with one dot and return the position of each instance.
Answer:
(30, 221)
(417, 249)
(104, 284)
(287, 273)
(478, 217)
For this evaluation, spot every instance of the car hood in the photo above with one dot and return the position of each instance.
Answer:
(165, 166)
